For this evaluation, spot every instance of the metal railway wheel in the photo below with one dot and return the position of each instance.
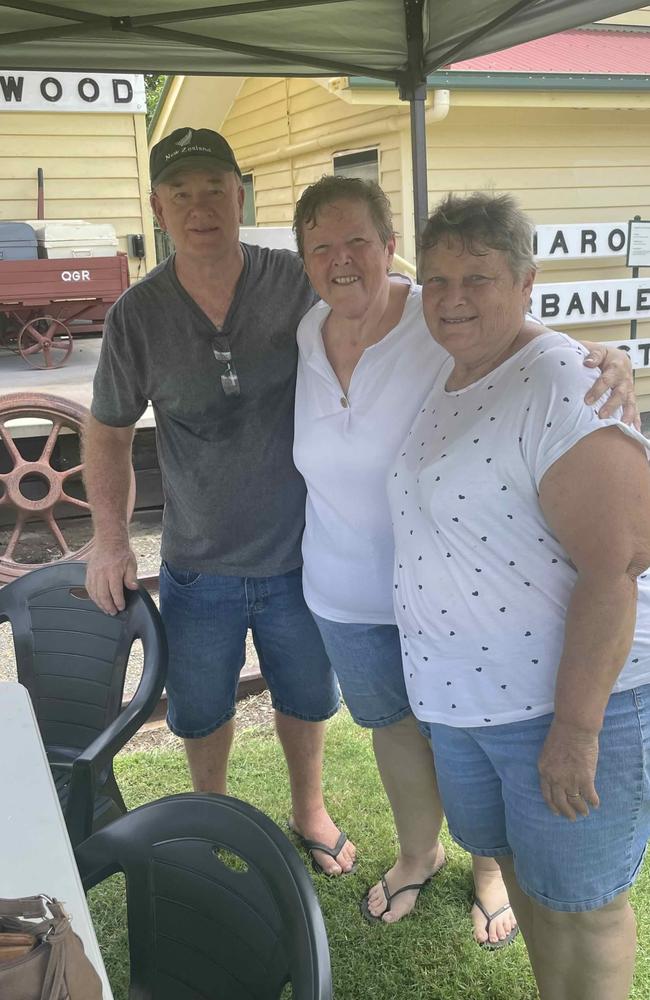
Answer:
(45, 342)
(43, 492)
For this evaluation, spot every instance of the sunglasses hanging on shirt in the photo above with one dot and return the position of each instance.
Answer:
(222, 354)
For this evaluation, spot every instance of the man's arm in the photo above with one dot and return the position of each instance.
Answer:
(595, 500)
(617, 375)
(107, 475)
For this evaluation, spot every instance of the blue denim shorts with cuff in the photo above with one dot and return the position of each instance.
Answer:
(367, 660)
(206, 619)
(490, 789)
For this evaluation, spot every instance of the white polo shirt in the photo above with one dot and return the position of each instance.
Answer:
(344, 445)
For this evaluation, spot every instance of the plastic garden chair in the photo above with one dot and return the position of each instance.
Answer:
(220, 906)
(72, 659)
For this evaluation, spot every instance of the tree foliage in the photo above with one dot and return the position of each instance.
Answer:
(153, 85)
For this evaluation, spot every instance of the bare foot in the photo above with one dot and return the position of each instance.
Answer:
(490, 889)
(320, 827)
(404, 873)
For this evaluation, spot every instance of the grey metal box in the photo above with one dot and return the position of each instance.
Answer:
(17, 241)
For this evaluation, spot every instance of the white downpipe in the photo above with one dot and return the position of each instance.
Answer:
(439, 108)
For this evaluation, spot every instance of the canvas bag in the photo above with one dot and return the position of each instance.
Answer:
(41, 957)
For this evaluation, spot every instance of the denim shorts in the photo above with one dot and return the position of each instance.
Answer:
(489, 785)
(206, 619)
(367, 660)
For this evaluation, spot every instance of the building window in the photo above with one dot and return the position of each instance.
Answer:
(364, 164)
(163, 242)
(249, 200)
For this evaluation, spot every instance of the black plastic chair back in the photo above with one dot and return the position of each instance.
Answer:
(72, 658)
(200, 926)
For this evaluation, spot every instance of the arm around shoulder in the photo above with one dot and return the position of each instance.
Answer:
(616, 375)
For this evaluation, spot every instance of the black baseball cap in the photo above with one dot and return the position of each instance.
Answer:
(191, 146)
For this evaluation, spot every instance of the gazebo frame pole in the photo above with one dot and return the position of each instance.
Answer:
(413, 88)
(419, 160)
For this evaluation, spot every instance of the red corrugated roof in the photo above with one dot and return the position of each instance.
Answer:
(578, 51)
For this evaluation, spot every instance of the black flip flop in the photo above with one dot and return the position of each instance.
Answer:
(314, 845)
(489, 917)
(390, 896)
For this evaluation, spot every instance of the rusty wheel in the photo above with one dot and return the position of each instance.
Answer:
(45, 342)
(43, 498)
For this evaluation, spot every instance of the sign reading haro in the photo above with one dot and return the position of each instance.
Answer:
(576, 240)
(72, 92)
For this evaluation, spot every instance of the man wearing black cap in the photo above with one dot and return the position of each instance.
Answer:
(209, 337)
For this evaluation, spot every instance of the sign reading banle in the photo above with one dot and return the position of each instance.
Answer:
(72, 92)
(583, 302)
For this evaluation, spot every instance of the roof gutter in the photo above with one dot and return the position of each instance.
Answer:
(477, 80)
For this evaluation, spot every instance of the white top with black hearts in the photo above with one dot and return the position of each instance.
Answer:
(481, 585)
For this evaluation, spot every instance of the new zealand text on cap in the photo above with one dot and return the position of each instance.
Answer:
(190, 145)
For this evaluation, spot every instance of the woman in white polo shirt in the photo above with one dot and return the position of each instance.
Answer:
(366, 363)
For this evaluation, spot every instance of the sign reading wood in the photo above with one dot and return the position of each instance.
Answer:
(72, 92)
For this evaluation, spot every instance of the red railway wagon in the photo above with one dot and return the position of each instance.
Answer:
(43, 303)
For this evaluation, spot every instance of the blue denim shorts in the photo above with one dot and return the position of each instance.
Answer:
(206, 619)
(367, 660)
(489, 785)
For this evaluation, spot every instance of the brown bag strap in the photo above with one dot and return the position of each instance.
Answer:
(20, 914)
(28, 906)
(53, 980)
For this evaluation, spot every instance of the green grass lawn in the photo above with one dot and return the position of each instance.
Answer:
(429, 956)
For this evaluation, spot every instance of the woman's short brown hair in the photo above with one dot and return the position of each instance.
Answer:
(334, 188)
(484, 219)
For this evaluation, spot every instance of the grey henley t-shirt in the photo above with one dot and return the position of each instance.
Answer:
(234, 501)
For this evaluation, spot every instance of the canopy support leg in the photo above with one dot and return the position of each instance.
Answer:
(413, 88)
(419, 160)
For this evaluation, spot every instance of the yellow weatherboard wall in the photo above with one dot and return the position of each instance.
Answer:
(95, 168)
(286, 132)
